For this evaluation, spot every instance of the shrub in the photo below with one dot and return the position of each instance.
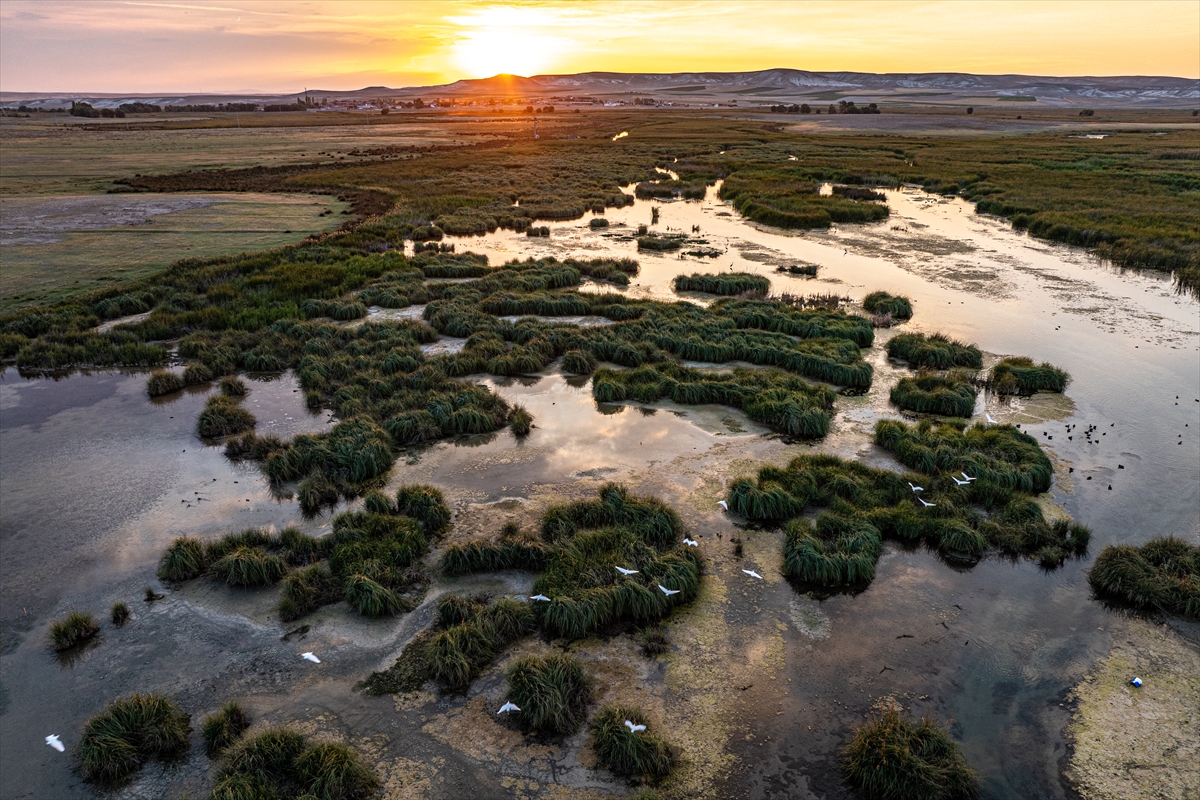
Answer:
(641, 755)
(933, 394)
(898, 306)
(163, 382)
(222, 729)
(553, 693)
(120, 613)
(890, 757)
(75, 628)
(131, 731)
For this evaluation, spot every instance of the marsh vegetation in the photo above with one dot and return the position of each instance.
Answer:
(892, 757)
(1162, 575)
(133, 730)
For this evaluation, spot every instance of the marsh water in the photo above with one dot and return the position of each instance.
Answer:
(762, 685)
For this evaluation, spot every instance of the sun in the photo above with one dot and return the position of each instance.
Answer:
(507, 40)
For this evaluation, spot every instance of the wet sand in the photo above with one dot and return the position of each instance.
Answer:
(761, 686)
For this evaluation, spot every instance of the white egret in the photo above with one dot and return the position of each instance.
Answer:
(53, 741)
(965, 475)
(927, 505)
(310, 657)
(507, 707)
(540, 597)
(989, 418)
(624, 571)
(635, 728)
(723, 504)
(916, 488)
(668, 592)
(960, 483)
(690, 542)
(752, 574)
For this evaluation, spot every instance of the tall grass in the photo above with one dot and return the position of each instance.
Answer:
(899, 306)
(222, 729)
(725, 283)
(553, 693)
(74, 629)
(935, 351)
(117, 742)
(279, 763)
(1019, 375)
(891, 757)
(995, 454)
(1161, 575)
(222, 416)
(644, 754)
(163, 382)
(934, 394)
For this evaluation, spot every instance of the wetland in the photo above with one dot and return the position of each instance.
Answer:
(578, 402)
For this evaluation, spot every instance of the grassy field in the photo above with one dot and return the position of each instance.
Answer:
(55, 247)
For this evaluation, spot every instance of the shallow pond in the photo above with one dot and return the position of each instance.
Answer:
(762, 685)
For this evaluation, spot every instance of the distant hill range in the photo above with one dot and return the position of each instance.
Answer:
(745, 89)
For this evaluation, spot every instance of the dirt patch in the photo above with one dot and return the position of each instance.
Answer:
(1139, 742)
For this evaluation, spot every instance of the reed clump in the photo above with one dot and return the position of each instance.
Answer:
(643, 754)
(726, 284)
(1019, 375)
(119, 613)
(222, 729)
(553, 693)
(117, 742)
(279, 763)
(163, 382)
(72, 630)
(891, 757)
(935, 351)
(222, 416)
(469, 636)
(1161, 575)
(947, 395)
(233, 386)
(898, 306)
(521, 421)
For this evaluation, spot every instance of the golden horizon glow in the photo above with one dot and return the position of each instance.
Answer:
(177, 46)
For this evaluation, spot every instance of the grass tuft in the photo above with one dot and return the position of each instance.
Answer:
(934, 394)
(1161, 575)
(222, 729)
(643, 754)
(163, 382)
(553, 693)
(131, 731)
(1019, 375)
(898, 306)
(279, 763)
(73, 629)
(120, 613)
(185, 559)
(222, 416)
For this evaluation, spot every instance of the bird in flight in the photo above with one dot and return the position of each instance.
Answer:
(989, 418)
(752, 574)
(541, 597)
(668, 592)
(635, 728)
(624, 571)
(53, 741)
(960, 483)
(507, 707)
(723, 504)
(965, 475)
(310, 657)
(690, 542)
(927, 505)
(916, 488)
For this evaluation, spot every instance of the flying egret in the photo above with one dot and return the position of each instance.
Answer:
(507, 707)
(960, 483)
(668, 592)
(635, 728)
(624, 571)
(53, 741)
(541, 597)
(916, 488)
(752, 574)
(723, 504)
(310, 657)
(965, 475)
(989, 418)
(690, 542)
(927, 505)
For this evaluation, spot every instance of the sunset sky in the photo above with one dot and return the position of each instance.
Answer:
(236, 45)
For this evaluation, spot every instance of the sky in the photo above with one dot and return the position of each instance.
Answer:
(198, 46)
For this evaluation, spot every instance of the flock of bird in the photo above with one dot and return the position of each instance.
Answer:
(967, 479)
